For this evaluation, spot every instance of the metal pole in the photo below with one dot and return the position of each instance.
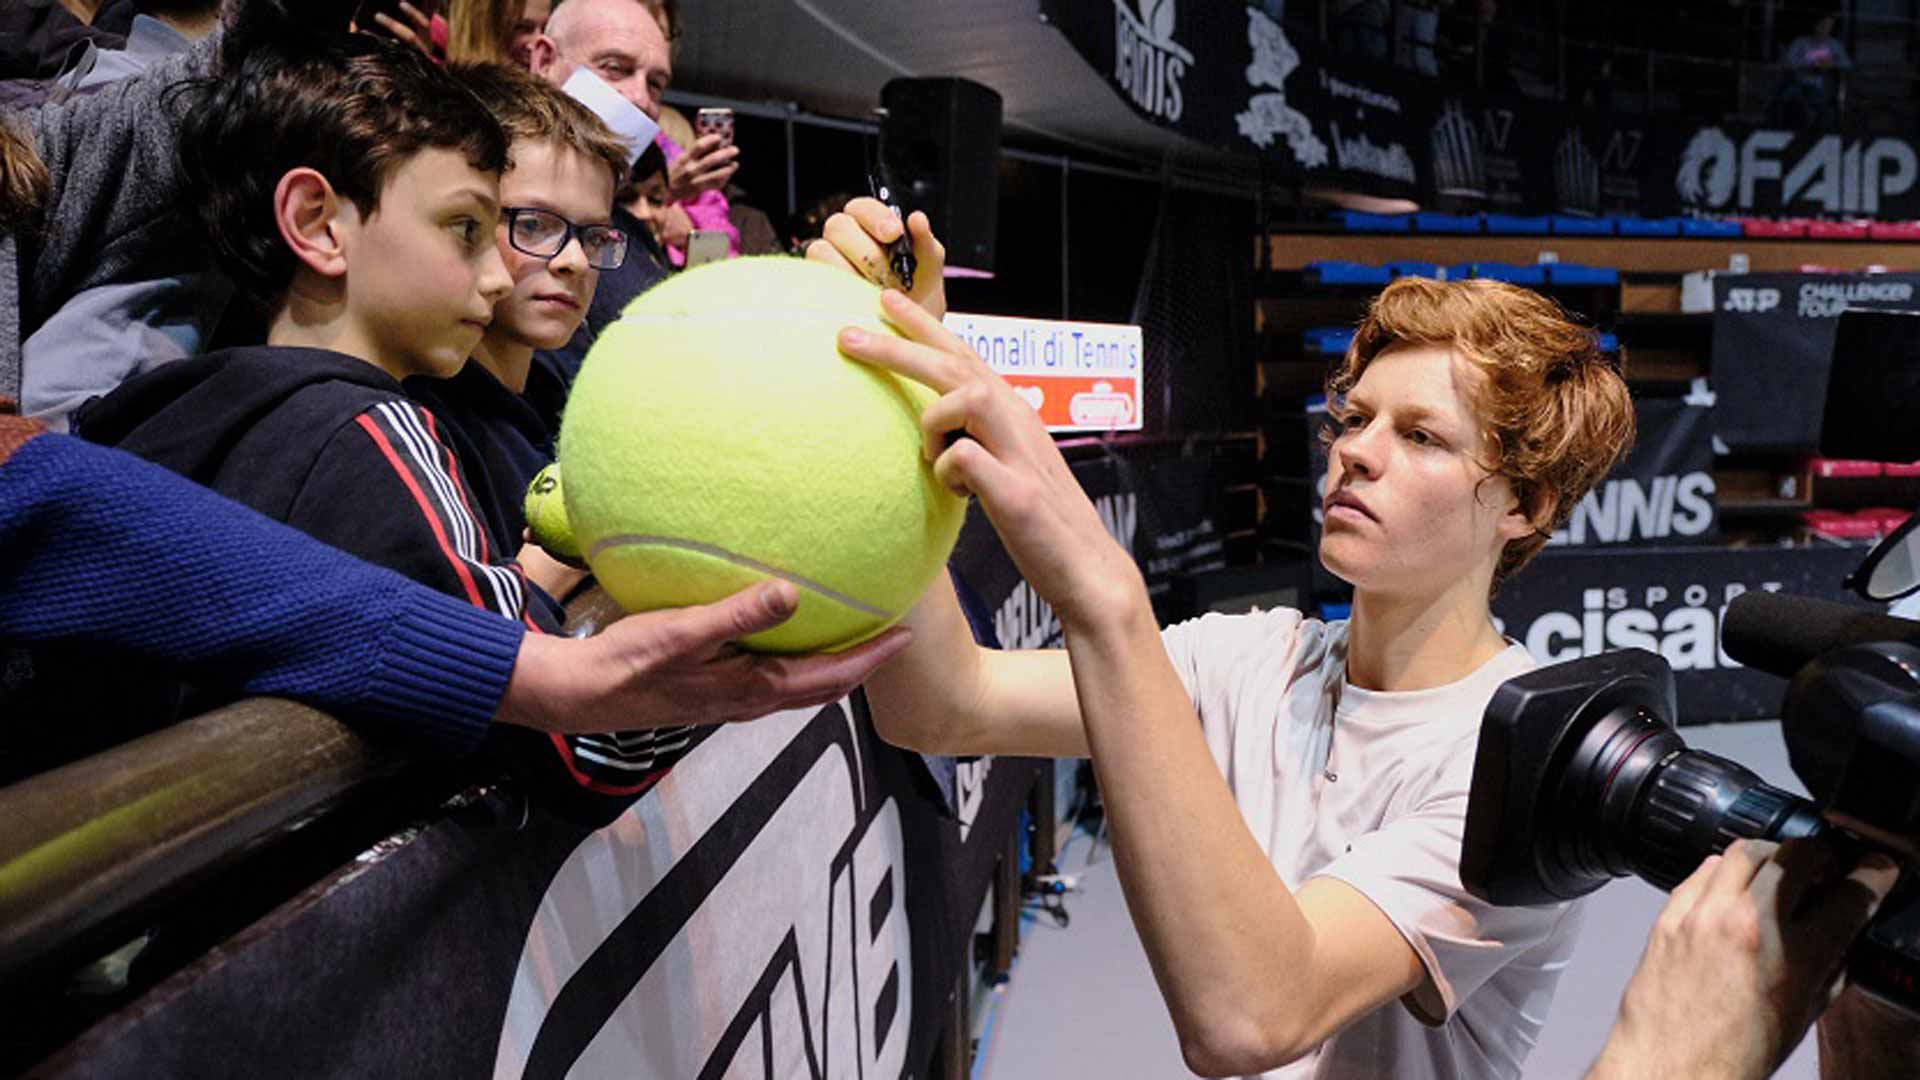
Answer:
(793, 182)
(1066, 279)
(1479, 48)
(1560, 46)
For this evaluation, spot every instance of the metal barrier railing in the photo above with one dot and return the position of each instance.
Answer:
(86, 846)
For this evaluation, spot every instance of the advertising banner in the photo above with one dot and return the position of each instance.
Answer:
(1573, 602)
(1773, 347)
(1078, 376)
(1230, 76)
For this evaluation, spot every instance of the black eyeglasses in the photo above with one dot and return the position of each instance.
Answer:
(546, 234)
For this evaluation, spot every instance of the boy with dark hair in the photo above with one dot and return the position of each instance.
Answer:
(351, 190)
(556, 237)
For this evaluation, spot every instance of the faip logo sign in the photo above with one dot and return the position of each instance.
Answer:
(1769, 171)
(1147, 63)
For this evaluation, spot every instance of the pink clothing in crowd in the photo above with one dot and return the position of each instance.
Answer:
(708, 210)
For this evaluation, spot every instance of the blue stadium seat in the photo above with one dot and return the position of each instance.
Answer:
(1355, 221)
(1518, 225)
(1575, 274)
(1633, 226)
(1329, 340)
(1568, 225)
(1705, 227)
(1338, 272)
(1412, 268)
(1534, 276)
(1428, 222)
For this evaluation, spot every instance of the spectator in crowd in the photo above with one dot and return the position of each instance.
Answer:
(117, 228)
(253, 606)
(531, 23)
(163, 28)
(1747, 952)
(351, 189)
(1809, 95)
(706, 207)
(1287, 796)
(39, 39)
(92, 533)
(810, 223)
(624, 43)
(110, 332)
(627, 43)
(482, 31)
(555, 236)
(645, 197)
(646, 265)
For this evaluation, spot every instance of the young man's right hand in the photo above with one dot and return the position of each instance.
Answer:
(679, 666)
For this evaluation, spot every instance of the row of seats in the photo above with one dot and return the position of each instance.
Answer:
(1848, 467)
(1533, 275)
(1870, 524)
(1619, 225)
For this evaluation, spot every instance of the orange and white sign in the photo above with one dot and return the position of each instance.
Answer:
(1078, 376)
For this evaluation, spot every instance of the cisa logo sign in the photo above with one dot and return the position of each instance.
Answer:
(1147, 63)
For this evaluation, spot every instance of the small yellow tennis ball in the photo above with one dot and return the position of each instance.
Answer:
(547, 515)
(716, 438)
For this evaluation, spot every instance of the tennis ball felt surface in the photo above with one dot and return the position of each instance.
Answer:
(547, 515)
(716, 438)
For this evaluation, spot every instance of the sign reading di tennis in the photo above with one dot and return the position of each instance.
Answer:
(1078, 376)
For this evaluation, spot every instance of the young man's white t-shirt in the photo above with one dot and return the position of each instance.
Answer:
(1371, 788)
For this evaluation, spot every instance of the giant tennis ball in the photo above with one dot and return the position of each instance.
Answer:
(716, 438)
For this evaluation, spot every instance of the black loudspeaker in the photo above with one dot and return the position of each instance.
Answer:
(942, 149)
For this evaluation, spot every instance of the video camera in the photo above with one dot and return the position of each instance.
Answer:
(1581, 777)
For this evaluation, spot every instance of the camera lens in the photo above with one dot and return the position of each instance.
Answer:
(1635, 800)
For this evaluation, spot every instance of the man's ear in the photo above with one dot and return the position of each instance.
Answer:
(308, 212)
(542, 53)
(1522, 520)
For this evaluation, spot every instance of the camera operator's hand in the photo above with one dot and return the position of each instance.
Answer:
(1746, 953)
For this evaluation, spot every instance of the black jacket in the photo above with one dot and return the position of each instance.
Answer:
(497, 430)
(330, 445)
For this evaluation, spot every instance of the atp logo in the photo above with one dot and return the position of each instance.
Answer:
(750, 923)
